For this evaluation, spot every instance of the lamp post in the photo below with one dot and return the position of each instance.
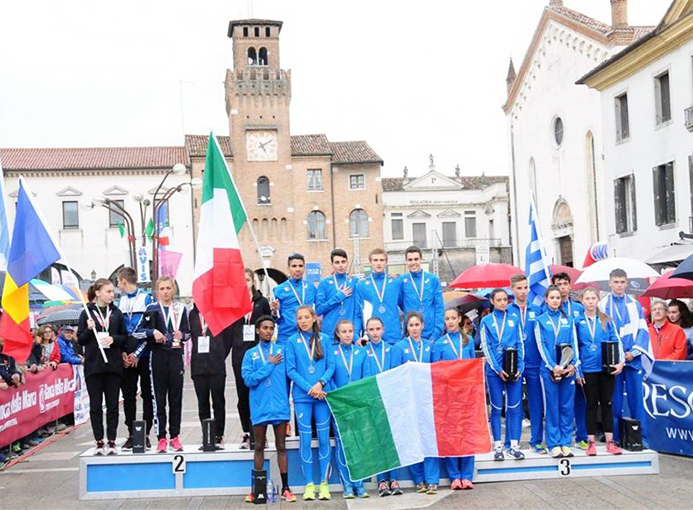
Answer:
(117, 209)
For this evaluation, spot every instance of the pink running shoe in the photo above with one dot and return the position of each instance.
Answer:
(162, 447)
(613, 449)
(591, 449)
(456, 485)
(467, 485)
(176, 444)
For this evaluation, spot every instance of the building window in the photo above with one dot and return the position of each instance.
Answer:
(397, 229)
(252, 56)
(257, 31)
(267, 31)
(624, 201)
(357, 181)
(315, 180)
(449, 234)
(115, 218)
(263, 57)
(263, 191)
(316, 225)
(358, 223)
(662, 99)
(470, 224)
(419, 234)
(70, 215)
(558, 131)
(664, 196)
(245, 31)
(622, 126)
(491, 229)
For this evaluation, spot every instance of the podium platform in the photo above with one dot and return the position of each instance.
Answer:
(227, 472)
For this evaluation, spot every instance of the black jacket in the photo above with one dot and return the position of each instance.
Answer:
(260, 307)
(153, 319)
(214, 362)
(93, 362)
(8, 368)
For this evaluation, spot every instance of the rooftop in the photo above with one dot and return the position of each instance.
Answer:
(475, 182)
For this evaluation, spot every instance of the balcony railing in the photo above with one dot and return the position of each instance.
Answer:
(452, 244)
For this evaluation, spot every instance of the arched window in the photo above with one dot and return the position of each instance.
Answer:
(316, 225)
(358, 223)
(252, 56)
(263, 191)
(263, 57)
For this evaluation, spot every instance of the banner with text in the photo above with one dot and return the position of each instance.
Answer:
(668, 394)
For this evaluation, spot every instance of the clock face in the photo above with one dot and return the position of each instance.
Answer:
(261, 145)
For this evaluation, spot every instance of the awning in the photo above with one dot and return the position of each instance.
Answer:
(671, 255)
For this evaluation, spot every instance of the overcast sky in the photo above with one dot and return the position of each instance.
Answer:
(410, 78)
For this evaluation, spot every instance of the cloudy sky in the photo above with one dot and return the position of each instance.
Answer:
(410, 78)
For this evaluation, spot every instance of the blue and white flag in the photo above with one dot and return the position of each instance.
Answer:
(4, 226)
(536, 262)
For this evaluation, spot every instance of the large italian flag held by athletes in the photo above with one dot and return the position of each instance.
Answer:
(417, 410)
(219, 288)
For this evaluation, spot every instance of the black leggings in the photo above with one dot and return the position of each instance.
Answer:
(599, 390)
(104, 386)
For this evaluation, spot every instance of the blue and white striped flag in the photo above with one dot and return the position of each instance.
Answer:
(536, 262)
(4, 226)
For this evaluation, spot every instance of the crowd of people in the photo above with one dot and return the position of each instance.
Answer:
(307, 340)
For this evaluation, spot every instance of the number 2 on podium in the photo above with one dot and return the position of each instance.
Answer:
(178, 464)
(563, 467)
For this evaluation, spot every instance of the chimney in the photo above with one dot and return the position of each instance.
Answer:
(619, 14)
(556, 3)
(510, 79)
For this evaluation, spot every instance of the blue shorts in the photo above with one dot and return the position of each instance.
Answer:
(273, 423)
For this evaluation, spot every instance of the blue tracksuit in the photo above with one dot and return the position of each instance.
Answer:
(559, 396)
(298, 368)
(349, 361)
(501, 330)
(288, 305)
(367, 296)
(133, 307)
(535, 399)
(591, 348)
(404, 351)
(449, 348)
(333, 305)
(431, 305)
(575, 310)
(269, 392)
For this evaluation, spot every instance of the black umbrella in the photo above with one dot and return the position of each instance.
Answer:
(61, 317)
(685, 269)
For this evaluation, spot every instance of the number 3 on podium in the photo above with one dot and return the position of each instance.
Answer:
(563, 467)
(178, 464)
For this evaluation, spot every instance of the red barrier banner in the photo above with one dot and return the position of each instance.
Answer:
(45, 397)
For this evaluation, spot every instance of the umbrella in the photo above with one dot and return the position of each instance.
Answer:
(42, 292)
(464, 301)
(638, 274)
(685, 269)
(485, 275)
(571, 271)
(61, 317)
(667, 287)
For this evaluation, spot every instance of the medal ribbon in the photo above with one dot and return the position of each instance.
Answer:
(423, 284)
(381, 295)
(413, 353)
(458, 355)
(350, 366)
(381, 363)
(502, 328)
(104, 321)
(262, 354)
(309, 351)
(302, 299)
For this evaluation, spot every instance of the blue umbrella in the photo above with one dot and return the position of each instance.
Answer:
(685, 269)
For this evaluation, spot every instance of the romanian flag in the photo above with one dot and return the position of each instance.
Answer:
(31, 251)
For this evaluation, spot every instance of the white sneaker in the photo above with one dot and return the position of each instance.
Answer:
(111, 448)
(100, 448)
(245, 444)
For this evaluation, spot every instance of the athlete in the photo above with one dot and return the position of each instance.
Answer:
(455, 345)
(499, 331)
(378, 360)
(421, 292)
(336, 295)
(555, 328)
(597, 381)
(289, 296)
(349, 360)
(414, 348)
(264, 373)
(310, 365)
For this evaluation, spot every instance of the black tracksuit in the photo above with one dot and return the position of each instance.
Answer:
(166, 366)
(260, 307)
(103, 379)
(208, 370)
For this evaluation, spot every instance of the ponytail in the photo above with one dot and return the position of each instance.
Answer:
(97, 285)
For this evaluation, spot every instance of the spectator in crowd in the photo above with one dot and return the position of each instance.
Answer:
(668, 340)
(51, 352)
(10, 375)
(66, 345)
(681, 315)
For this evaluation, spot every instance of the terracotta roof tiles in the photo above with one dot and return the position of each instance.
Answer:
(354, 152)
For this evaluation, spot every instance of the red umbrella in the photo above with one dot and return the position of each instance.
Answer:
(485, 275)
(666, 287)
(571, 271)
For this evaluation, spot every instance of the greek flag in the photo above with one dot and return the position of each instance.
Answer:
(536, 262)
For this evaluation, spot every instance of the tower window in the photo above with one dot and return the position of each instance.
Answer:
(245, 31)
(252, 56)
(358, 223)
(263, 57)
(257, 31)
(267, 31)
(263, 191)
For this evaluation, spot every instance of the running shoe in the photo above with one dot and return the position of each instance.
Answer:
(591, 449)
(348, 493)
(111, 448)
(432, 489)
(361, 492)
(421, 488)
(162, 447)
(127, 445)
(148, 443)
(245, 442)
(567, 452)
(467, 485)
(556, 452)
(324, 491)
(456, 485)
(100, 448)
(515, 453)
(395, 489)
(176, 445)
(582, 445)
(383, 489)
(287, 495)
(309, 492)
(250, 498)
(498, 454)
(613, 449)
(539, 448)
(219, 443)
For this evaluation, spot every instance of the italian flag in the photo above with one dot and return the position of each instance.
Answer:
(417, 410)
(219, 288)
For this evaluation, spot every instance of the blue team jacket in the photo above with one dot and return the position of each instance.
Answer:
(384, 359)
(297, 363)
(402, 353)
(449, 348)
(289, 305)
(432, 307)
(269, 392)
(392, 323)
(341, 375)
(532, 356)
(331, 302)
(547, 339)
(591, 351)
(493, 346)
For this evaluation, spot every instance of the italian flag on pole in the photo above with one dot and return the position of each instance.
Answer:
(417, 410)
(219, 288)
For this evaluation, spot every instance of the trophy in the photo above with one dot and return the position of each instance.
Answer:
(564, 355)
(510, 363)
(609, 356)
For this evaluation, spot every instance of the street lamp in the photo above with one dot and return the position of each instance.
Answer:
(119, 210)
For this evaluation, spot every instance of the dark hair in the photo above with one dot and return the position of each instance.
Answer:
(264, 318)
(315, 332)
(343, 321)
(97, 285)
(492, 296)
(460, 315)
(686, 315)
(413, 249)
(251, 273)
(552, 288)
(409, 317)
(618, 273)
(295, 256)
(128, 274)
(560, 276)
(338, 252)
(377, 319)
(517, 278)
(377, 251)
